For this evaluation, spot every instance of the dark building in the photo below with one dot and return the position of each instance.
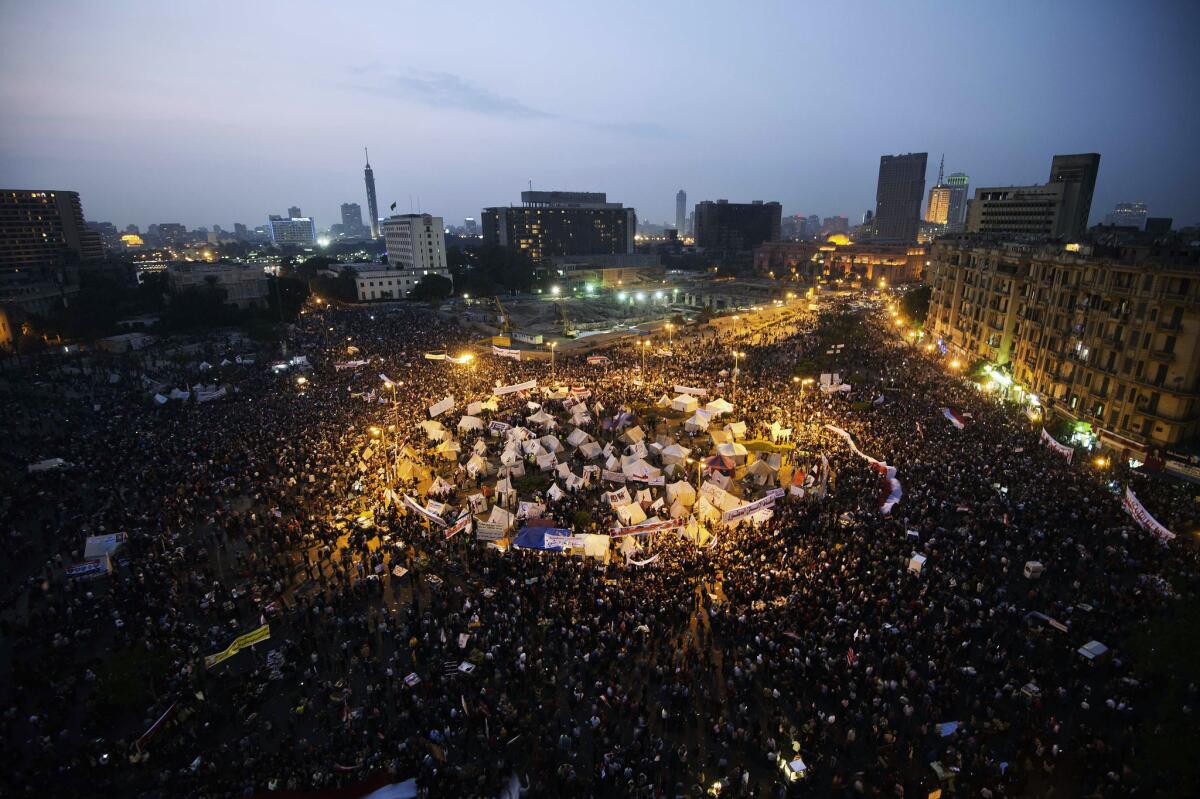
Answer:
(372, 205)
(558, 223)
(899, 195)
(1157, 226)
(1078, 173)
(41, 229)
(736, 227)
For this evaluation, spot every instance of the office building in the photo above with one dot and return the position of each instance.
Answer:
(1078, 174)
(552, 223)
(416, 241)
(171, 234)
(351, 216)
(959, 184)
(1109, 336)
(294, 212)
(898, 196)
(244, 285)
(736, 227)
(372, 205)
(42, 229)
(298, 231)
(1157, 226)
(831, 225)
(1127, 215)
(681, 211)
(373, 282)
(471, 226)
(1029, 211)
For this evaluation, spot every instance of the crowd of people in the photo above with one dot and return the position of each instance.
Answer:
(474, 669)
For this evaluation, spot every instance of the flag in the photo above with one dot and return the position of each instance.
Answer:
(954, 417)
(393, 206)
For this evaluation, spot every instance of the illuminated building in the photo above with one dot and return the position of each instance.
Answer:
(416, 241)
(299, 231)
(937, 210)
(554, 223)
(1127, 215)
(898, 196)
(840, 258)
(1107, 336)
(736, 227)
(41, 229)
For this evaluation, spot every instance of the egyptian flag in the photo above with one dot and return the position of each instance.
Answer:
(954, 417)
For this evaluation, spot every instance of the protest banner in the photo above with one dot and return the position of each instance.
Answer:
(239, 643)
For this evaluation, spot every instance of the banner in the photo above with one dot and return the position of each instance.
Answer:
(463, 523)
(581, 393)
(207, 394)
(1062, 449)
(415, 507)
(733, 514)
(528, 385)
(155, 727)
(340, 365)
(498, 427)
(646, 528)
(387, 381)
(1134, 508)
(695, 392)
(894, 490)
(612, 477)
(88, 569)
(553, 541)
(598, 360)
(435, 356)
(438, 408)
(489, 531)
(506, 353)
(239, 643)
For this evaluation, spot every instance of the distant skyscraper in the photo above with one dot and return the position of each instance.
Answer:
(39, 229)
(1127, 215)
(471, 226)
(899, 194)
(351, 217)
(1078, 172)
(294, 212)
(297, 230)
(680, 211)
(372, 205)
(415, 241)
(937, 211)
(736, 227)
(959, 184)
(562, 223)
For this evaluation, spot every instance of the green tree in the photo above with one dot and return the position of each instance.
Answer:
(915, 304)
(432, 288)
(289, 292)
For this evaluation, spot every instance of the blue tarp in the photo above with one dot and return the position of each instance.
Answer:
(535, 538)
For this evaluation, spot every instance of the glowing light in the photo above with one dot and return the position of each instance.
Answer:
(621, 296)
(955, 364)
(641, 297)
(554, 290)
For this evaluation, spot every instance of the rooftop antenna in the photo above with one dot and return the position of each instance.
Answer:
(941, 168)
(368, 157)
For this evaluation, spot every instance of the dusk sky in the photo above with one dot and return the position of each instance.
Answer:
(208, 113)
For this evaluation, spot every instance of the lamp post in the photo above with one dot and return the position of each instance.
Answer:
(670, 334)
(645, 344)
(736, 355)
(553, 345)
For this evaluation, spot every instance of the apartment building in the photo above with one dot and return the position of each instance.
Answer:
(1109, 336)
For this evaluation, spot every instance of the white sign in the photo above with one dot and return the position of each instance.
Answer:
(506, 353)
(1134, 508)
(438, 408)
(695, 392)
(528, 385)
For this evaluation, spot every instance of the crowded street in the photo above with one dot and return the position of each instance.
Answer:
(755, 559)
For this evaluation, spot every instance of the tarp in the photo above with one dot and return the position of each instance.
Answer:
(544, 538)
(99, 546)
(47, 465)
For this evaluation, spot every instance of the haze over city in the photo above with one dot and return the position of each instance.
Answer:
(214, 112)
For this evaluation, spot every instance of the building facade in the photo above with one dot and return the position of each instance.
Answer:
(898, 196)
(374, 282)
(1035, 212)
(298, 231)
(737, 227)
(372, 205)
(957, 216)
(416, 241)
(1108, 337)
(1127, 215)
(1077, 173)
(838, 258)
(681, 212)
(557, 223)
(245, 285)
(42, 228)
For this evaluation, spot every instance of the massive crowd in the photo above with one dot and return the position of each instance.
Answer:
(395, 654)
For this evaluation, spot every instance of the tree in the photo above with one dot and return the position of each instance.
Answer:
(915, 304)
(432, 288)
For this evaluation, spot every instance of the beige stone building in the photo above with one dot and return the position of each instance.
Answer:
(1106, 336)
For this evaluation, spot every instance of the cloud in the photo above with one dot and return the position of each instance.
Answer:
(445, 90)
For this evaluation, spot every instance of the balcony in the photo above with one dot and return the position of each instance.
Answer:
(1162, 355)
(1167, 417)
(1169, 326)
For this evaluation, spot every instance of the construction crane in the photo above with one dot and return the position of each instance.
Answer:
(568, 330)
(504, 339)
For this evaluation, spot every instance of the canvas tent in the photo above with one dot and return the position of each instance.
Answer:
(733, 451)
(697, 422)
(718, 407)
(470, 423)
(685, 403)
(682, 492)
(760, 472)
(449, 449)
(631, 514)
(737, 430)
(578, 437)
(433, 430)
(590, 450)
(675, 454)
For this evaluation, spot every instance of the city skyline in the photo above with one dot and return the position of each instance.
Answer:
(192, 144)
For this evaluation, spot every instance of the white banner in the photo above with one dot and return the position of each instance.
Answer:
(498, 427)
(562, 541)
(1134, 508)
(528, 385)
(340, 365)
(1062, 449)
(414, 506)
(438, 408)
(695, 392)
(462, 524)
(489, 531)
(646, 528)
(733, 514)
(612, 477)
(206, 394)
(435, 356)
(506, 353)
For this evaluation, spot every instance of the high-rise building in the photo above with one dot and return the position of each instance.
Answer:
(1018, 210)
(415, 241)
(1127, 215)
(681, 211)
(372, 205)
(294, 212)
(959, 184)
(300, 231)
(736, 227)
(835, 224)
(471, 226)
(352, 224)
(898, 196)
(553, 223)
(937, 211)
(1108, 337)
(239, 231)
(1078, 173)
(42, 228)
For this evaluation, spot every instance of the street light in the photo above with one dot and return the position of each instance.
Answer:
(645, 345)
(553, 345)
(736, 355)
(670, 333)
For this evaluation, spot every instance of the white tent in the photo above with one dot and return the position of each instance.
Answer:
(637, 450)
(563, 470)
(511, 455)
(408, 471)
(555, 492)
(434, 430)
(478, 467)
(547, 462)
(470, 423)
(760, 472)
(578, 437)
(682, 492)
(720, 436)
(697, 422)
(440, 487)
(480, 447)
(639, 469)
(678, 510)
(449, 449)
(718, 407)
(664, 401)
(492, 403)
(532, 447)
(644, 496)
(590, 450)
(474, 408)
(633, 435)
(519, 434)
(501, 516)
(631, 514)
(551, 444)
(514, 470)
(733, 450)
(737, 430)
(685, 403)
(675, 454)
(540, 418)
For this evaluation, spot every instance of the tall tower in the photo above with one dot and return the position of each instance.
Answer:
(372, 204)
(898, 196)
(680, 212)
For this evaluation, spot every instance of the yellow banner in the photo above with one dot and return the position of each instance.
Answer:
(239, 643)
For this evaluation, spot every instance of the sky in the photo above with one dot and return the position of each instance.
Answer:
(213, 112)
